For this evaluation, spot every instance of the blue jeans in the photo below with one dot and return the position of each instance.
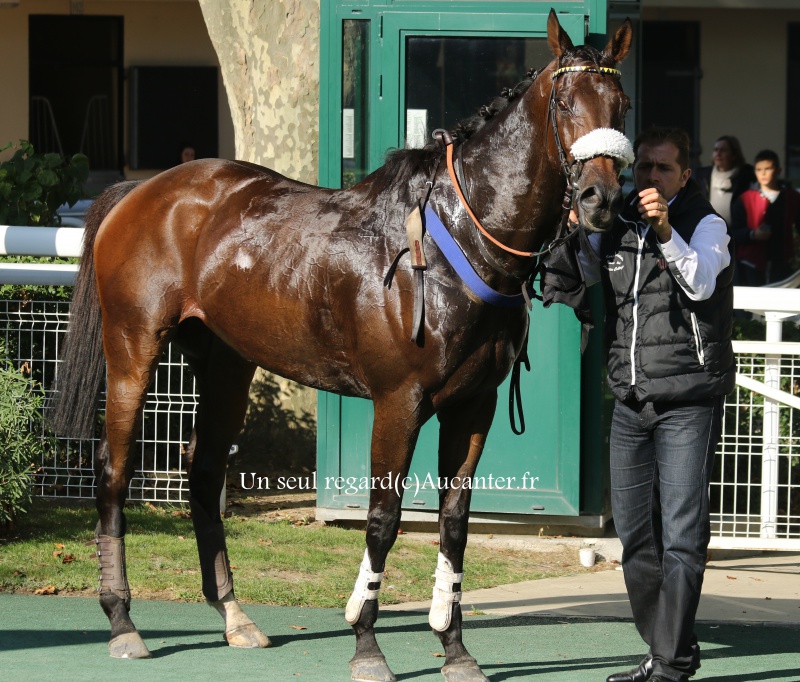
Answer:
(661, 459)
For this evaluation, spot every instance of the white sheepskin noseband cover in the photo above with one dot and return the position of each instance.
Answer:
(603, 142)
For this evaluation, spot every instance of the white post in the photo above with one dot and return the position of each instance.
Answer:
(771, 432)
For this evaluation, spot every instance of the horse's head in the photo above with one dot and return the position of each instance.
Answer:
(587, 115)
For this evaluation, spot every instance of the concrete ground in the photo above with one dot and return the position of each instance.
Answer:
(553, 630)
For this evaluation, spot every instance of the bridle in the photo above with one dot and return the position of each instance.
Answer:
(571, 170)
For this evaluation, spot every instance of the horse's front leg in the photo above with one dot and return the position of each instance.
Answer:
(462, 435)
(394, 435)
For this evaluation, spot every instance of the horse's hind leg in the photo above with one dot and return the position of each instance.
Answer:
(462, 435)
(394, 435)
(223, 379)
(132, 359)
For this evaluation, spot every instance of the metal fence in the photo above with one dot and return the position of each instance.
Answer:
(32, 333)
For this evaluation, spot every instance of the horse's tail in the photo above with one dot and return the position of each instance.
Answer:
(82, 369)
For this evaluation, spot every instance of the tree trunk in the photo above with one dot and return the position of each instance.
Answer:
(269, 55)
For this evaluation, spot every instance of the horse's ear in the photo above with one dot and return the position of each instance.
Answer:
(619, 46)
(557, 37)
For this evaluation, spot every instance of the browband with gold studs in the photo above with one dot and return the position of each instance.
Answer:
(588, 69)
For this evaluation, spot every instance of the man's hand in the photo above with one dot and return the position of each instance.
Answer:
(654, 209)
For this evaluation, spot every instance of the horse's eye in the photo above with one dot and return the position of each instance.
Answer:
(562, 105)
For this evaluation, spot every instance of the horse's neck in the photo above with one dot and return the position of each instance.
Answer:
(515, 183)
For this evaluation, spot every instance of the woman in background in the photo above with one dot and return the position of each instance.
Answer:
(728, 176)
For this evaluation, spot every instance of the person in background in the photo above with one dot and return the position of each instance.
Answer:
(187, 153)
(764, 220)
(728, 176)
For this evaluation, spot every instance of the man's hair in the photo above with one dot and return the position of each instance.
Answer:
(736, 149)
(656, 136)
(768, 155)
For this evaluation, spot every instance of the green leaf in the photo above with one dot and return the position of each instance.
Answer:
(31, 192)
(47, 178)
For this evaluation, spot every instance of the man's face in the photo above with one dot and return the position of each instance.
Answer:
(657, 166)
(767, 173)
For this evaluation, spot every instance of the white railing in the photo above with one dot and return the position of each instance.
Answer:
(63, 242)
(757, 488)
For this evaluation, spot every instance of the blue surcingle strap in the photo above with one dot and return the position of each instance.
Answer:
(455, 256)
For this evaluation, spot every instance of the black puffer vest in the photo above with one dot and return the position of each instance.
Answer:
(681, 348)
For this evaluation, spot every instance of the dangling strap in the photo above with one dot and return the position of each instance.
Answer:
(111, 553)
(362, 590)
(446, 593)
(514, 387)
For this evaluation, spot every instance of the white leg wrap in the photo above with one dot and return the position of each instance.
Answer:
(444, 596)
(361, 591)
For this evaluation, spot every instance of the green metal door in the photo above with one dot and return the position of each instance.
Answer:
(394, 72)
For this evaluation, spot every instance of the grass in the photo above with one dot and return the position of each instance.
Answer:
(280, 563)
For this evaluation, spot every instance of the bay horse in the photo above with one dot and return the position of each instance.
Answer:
(242, 267)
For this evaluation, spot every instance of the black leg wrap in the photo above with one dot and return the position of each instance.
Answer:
(214, 564)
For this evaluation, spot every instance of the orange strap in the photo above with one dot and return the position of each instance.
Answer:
(454, 180)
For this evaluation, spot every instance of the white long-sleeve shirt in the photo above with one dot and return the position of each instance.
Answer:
(699, 262)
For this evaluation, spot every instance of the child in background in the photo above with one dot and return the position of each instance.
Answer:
(763, 222)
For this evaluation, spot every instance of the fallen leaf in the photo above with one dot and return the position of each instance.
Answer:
(57, 553)
(265, 542)
(758, 580)
(234, 567)
(731, 577)
(19, 573)
(434, 542)
(58, 545)
(340, 596)
(151, 506)
(68, 559)
(768, 598)
(50, 589)
(180, 537)
(298, 627)
(490, 536)
(436, 654)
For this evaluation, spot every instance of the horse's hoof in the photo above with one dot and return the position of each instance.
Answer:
(247, 637)
(464, 671)
(128, 645)
(372, 669)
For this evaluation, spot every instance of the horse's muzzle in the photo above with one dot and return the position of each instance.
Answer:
(598, 206)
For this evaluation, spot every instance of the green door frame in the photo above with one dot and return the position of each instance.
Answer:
(583, 20)
(390, 23)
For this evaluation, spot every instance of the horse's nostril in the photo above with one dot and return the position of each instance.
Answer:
(589, 199)
(593, 199)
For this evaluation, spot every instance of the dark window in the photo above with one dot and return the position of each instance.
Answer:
(75, 87)
(172, 107)
(792, 164)
(447, 78)
(670, 91)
